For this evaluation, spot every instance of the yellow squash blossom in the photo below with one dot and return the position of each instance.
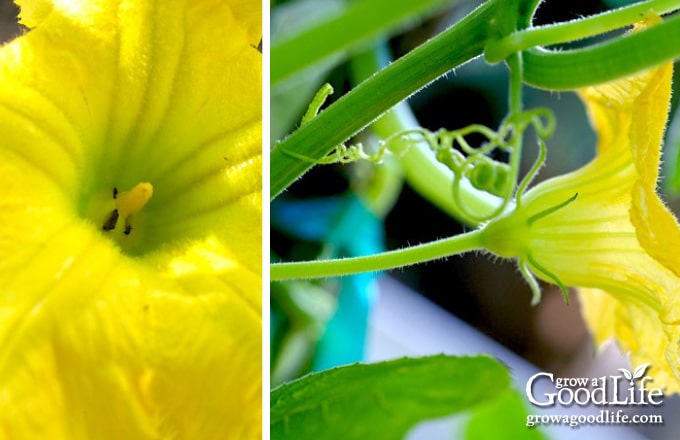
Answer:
(130, 213)
(603, 228)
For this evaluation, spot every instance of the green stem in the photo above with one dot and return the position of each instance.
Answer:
(574, 30)
(565, 70)
(383, 261)
(515, 106)
(378, 94)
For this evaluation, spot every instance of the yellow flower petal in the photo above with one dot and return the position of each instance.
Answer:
(649, 105)
(638, 331)
(155, 334)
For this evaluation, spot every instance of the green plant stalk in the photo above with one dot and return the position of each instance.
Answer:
(576, 29)
(361, 21)
(384, 261)
(378, 94)
(423, 172)
(515, 106)
(603, 62)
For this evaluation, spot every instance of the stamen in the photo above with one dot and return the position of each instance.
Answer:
(111, 222)
(128, 204)
(131, 202)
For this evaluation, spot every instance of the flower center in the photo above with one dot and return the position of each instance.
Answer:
(119, 215)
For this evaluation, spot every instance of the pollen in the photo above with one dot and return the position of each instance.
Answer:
(131, 202)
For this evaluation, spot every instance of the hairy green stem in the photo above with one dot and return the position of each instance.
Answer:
(378, 94)
(575, 30)
(515, 106)
(564, 70)
(387, 260)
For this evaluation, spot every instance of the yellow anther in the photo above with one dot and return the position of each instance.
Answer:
(131, 202)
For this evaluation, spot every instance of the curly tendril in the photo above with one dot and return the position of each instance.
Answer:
(453, 149)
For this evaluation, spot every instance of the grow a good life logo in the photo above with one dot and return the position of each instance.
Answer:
(604, 390)
(630, 388)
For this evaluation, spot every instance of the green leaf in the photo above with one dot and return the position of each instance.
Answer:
(383, 400)
(507, 415)
(362, 21)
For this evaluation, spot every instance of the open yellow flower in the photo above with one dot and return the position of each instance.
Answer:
(603, 228)
(137, 316)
